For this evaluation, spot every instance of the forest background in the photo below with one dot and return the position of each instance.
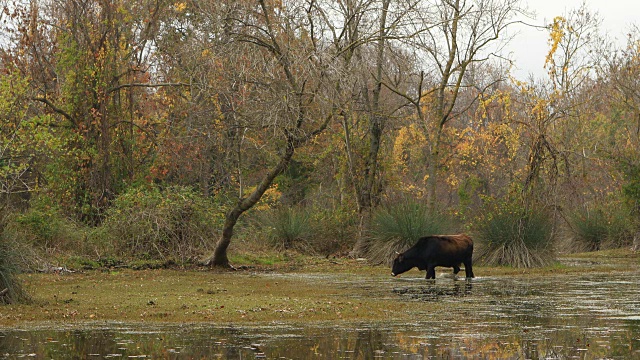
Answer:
(190, 131)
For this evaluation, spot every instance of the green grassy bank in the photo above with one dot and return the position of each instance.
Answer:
(304, 289)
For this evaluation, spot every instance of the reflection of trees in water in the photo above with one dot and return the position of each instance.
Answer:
(367, 342)
(331, 343)
(52, 344)
(583, 339)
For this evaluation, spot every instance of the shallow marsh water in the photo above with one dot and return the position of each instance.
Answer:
(550, 316)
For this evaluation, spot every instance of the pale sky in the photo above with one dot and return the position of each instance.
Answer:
(529, 47)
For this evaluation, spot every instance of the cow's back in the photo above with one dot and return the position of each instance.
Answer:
(446, 250)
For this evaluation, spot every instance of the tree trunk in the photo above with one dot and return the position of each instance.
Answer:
(442, 108)
(219, 257)
(432, 180)
(366, 194)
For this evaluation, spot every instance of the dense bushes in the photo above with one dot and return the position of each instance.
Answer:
(177, 224)
(44, 227)
(173, 223)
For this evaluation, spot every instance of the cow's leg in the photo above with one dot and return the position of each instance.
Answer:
(468, 269)
(431, 272)
(456, 269)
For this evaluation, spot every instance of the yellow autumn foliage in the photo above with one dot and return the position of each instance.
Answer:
(556, 34)
(410, 139)
(180, 6)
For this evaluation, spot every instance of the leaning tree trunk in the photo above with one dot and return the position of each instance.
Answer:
(219, 257)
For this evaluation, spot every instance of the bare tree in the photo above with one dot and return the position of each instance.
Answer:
(571, 60)
(365, 34)
(288, 93)
(623, 73)
(558, 108)
(450, 36)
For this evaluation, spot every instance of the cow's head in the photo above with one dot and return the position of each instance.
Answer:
(401, 265)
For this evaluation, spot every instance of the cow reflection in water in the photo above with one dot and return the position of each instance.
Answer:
(437, 250)
(433, 291)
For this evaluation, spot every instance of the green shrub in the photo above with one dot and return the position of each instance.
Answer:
(152, 223)
(81, 263)
(398, 226)
(512, 235)
(44, 227)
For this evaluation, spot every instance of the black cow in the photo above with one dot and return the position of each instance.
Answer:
(437, 250)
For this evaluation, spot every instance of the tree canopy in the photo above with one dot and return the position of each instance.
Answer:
(340, 105)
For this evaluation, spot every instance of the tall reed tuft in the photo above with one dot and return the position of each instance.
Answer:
(515, 236)
(598, 229)
(288, 228)
(398, 226)
(11, 290)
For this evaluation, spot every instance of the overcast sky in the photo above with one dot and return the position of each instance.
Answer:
(529, 47)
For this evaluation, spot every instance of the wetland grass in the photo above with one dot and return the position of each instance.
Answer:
(518, 237)
(11, 289)
(300, 290)
(261, 295)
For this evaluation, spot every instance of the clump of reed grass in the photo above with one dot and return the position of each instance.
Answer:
(516, 236)
(11, 290)
(598, 229)
(288, 228)
(397, 226)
